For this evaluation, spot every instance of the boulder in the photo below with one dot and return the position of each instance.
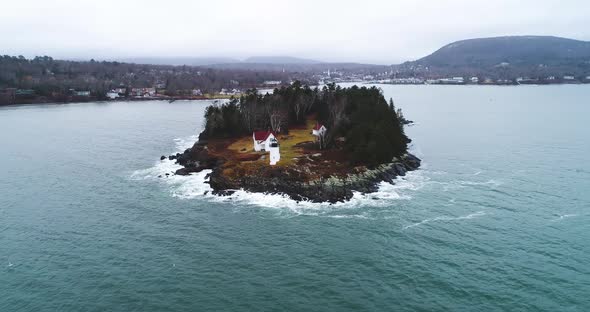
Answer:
(400, 169)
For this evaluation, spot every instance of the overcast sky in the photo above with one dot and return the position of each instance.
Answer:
(373, 31)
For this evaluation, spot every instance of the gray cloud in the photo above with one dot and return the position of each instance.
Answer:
(376, 31)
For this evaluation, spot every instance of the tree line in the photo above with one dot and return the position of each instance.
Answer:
(48, 76)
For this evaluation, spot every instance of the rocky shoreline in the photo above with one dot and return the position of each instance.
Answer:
(292, 182)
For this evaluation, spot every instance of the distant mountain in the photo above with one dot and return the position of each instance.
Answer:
(508, 56)
(179, 61)
(206, 61)
(257, 63)
(279, 60)
(304, 67)
(514, 50)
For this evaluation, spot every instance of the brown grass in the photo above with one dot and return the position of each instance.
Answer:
(243, 148)
(296, 156)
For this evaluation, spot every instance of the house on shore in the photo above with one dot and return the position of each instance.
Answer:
(143, 92)
(112, 94)
(267, 141)
(81, 93)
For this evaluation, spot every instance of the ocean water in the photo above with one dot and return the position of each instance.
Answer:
(497, 219)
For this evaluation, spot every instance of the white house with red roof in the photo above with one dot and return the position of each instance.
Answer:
(319, 130)
(262, 140)
(267, 141)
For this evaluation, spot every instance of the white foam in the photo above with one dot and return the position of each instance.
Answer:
(183, 143)
(355, 216)
(158, 170)
(445, 218)
(459, 184)
(194, 186)
(492, 183)
(561, 217)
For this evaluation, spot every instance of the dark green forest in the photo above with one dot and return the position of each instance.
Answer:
(360, 121)
(47, 76)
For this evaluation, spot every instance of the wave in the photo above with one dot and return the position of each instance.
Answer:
(561, 217)
(402, 189)
(183, 143)
(445, 218)
(491, 182)
(195, 186)
(459, 184)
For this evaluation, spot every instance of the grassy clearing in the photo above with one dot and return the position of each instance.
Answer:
(288, 147)
(241, 160)
(289, 150)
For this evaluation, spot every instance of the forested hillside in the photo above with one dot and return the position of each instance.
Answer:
(45, 76)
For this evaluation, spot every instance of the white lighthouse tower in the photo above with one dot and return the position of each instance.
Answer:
(275, 154)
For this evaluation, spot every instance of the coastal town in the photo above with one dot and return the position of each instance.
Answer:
(405, 78)
(25, 96)
(160, 92)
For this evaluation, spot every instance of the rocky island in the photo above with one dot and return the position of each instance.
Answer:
(308, 144)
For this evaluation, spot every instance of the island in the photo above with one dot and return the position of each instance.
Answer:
(318, 145)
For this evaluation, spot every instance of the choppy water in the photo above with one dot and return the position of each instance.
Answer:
(497, 218)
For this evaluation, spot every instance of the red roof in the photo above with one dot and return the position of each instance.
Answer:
(318, 126)
(262, 135)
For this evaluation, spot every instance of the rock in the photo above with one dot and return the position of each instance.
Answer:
(292, 181)
(400, 169)
(183, 172)
(163, 157)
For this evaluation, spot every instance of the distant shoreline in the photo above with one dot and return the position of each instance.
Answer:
(482, 84)
(46, 100)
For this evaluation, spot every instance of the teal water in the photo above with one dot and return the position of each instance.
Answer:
(496, 220)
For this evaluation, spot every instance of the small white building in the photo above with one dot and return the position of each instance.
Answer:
(272, 82)
(82, 93)
(120, 91)
(262, 140)
(112, 95)
(267, 141)
(143, 92)
(319, 130)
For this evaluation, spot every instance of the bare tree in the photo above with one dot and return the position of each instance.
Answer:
(277, 118)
